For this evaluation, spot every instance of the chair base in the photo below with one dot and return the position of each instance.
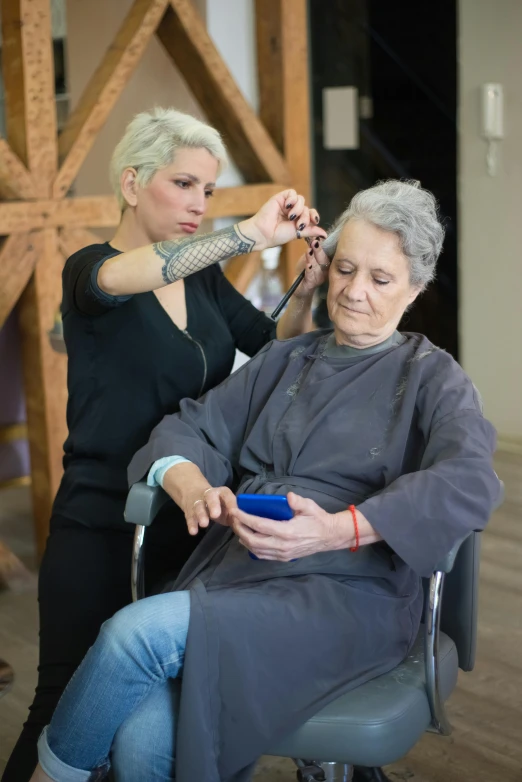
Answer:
(364, 774)
(321, 771)
(316, 771)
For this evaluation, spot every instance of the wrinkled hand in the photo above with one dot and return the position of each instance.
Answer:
(284, 217)
(316, 264)
(312, 530)
(213, 504)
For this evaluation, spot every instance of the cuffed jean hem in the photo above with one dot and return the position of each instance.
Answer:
(61, 772)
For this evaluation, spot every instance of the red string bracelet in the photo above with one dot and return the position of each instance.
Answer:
(355, 526)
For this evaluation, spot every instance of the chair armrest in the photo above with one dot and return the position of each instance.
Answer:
(144, 503)
(446, 563)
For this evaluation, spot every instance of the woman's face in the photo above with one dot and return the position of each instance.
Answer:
(174, 202)
(369, 285)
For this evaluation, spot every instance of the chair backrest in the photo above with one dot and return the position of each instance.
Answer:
(459, 616)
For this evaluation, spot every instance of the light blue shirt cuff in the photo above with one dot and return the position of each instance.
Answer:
(160, 467)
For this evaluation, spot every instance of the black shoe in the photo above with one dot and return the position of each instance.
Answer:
(365, 774)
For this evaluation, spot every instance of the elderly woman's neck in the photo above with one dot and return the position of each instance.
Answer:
(362, 341)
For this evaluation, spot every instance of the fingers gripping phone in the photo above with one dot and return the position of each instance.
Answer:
(268, 506)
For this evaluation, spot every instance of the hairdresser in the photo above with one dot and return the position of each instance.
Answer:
(148, 319)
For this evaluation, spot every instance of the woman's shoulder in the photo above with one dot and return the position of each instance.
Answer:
(443, 384)
(90, 253)
(85, 258)
(433, 358)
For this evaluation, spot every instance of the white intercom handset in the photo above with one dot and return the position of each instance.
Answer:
(492, 121)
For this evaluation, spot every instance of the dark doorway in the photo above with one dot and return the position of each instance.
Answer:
(402, 57)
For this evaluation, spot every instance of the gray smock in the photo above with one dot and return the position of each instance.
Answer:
(398, 431)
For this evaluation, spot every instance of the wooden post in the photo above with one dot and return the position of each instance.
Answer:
(28, 70)
(284, 89)
(44, 381)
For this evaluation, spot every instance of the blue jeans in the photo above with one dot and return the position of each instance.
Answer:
(126, 671)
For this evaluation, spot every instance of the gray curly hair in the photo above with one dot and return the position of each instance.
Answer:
(403, 208)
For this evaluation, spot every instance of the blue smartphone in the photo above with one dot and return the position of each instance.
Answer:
(268, 506)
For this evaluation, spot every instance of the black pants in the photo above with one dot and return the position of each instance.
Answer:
(84, 579)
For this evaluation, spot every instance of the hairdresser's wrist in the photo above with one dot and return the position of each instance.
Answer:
(305, 293)
(249, 230)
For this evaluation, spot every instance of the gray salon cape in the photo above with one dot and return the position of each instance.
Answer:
(399, 433)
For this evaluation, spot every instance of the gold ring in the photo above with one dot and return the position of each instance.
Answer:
(203, 501)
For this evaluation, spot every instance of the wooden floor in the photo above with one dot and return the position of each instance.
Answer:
(486, 709)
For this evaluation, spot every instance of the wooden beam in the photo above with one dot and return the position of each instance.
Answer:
(296, 90)
(28, 75)
(70, 240)
(270, 68)
(186, 40)
(17, 260)
(15, 179)
(104, 89)
(12, 432)
(282, 41)
(242, 269)
(244, 200)
(92, 210)
(45, 382)
(104, 212)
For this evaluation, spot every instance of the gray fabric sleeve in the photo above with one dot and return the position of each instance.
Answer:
(106, 299)
(208, 432)
(423, 514)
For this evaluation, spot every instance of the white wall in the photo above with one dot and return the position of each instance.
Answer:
(490, 50)
(231, 25)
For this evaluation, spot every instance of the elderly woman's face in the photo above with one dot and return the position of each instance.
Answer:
(369, 285)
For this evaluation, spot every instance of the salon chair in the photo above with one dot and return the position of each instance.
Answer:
(379, 722)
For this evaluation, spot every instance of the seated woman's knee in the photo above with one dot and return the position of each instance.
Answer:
(126, 626)
(152, 626)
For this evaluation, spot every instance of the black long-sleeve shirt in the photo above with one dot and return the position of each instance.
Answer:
(129, 365)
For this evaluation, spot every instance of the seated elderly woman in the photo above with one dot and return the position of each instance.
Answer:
(378, 440)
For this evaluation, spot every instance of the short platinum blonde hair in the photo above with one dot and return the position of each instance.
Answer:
(150, 142)
(403, 208)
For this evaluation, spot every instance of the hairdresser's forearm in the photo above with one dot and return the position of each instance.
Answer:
(297, 318)
(156, 265)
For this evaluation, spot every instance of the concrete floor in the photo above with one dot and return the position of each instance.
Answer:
(485, 710)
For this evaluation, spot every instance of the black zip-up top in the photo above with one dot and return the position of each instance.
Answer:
(129, 365)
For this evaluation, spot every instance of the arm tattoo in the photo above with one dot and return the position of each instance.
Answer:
(186, 256)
